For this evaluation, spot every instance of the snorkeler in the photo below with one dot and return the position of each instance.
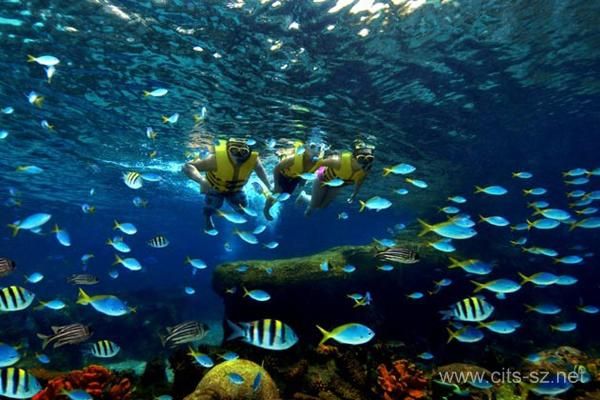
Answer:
(339, 171)
(287, 173)
(227, 171)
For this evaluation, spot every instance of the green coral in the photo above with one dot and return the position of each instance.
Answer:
(217, 385)
(508, 391)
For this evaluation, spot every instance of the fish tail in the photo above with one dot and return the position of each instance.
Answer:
(133, 310)
(40, 306)
(362, 205)
(573, 226)
(446, 315)
(455, 263)
(326, 335)
(246, 292)
(146, 93)
(529, 224)
(163, 340)
(56, 228)
(556, 260)
(118, 260)
(526, 192)
(117, 225)
(45, 340)
(386, 171)
(524, 277)
(478, 286)
(237, 331)
(529, 308)
(83, 297)
(187, 260)
(165, 119)
(451, 335)
(30, 58)
(481, 218)
(426, 227)
(478, 189)
(15, 229)
(482, 324)
(515, 174)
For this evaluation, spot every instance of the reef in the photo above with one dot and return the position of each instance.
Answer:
(217, 384)
(98, 381)
(403, 381)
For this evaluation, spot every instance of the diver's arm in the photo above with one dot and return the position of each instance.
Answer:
(357, 187)
(192, 169)
(283, 164)
(262, 174)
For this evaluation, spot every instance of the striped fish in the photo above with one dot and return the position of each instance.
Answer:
(471, 309)
(399, 255)
(104, 349)
(67, 334)
(7, 266)
(15, 298)
(16, 383)
(133, 180)
(189, 331)
(158, 242)
(269, 334)
(83, 279)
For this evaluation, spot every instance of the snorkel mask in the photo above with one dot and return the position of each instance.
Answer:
(238, 149)
(364, 153)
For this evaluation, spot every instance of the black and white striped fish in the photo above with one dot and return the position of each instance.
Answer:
(104, 349)
(83, 279)
(67, 334)
(471, 309)
(399, 255)
(158, 242)
(15, 298)
(7, 266)
(17, 383)
(269, 334)
(186, 332)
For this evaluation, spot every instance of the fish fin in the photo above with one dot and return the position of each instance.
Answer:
(478, 286)
(246, 292)
(451, 335)
(478, 189)
(117, 222)
(426, 227)
(165, 119)
(326, 335)
(362, 205)
(455, 263)
(386, 171)
(45, 340)
(526, 192)
(83, 298)
(237, 331)
(481, 218)
(30, 58)
(146, 93)
(525, 278)
(15, 229)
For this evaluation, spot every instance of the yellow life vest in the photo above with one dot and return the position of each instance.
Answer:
(298, 166)
(344, 172)
(228, 177)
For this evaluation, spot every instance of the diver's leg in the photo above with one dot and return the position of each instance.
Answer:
(330, 196)
(270, 199)
(319, 192)
(212, 202)
(238, 199)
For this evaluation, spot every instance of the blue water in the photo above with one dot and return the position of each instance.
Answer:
(467, 92)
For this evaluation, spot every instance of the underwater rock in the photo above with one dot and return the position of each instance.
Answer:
(404, 381)
(98, 381)
(217, 385)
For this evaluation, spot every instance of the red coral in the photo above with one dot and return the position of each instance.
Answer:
(403, 382)
(95, 379)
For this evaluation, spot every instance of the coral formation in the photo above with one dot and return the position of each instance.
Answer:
(217, 383)
(98, 381)
(404, 381)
